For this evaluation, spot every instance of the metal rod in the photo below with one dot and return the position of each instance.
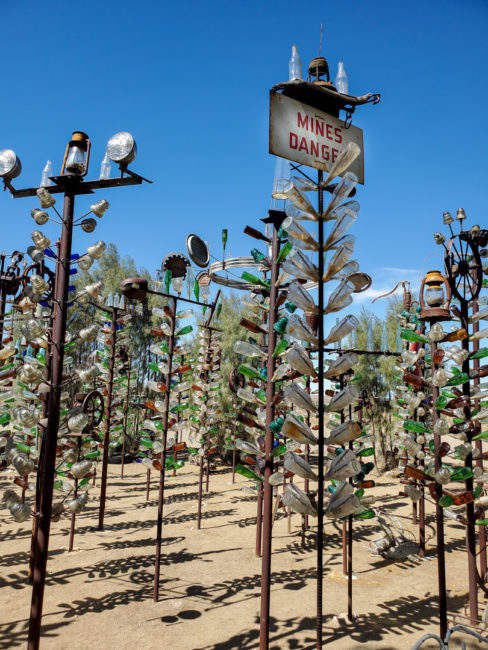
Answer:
(320, 488)
(108, 412)
(234, 445)
(126, 418)
(50, 438)
(439, 511)
(148, 484)
(159, 524)
(470, 527)
(259, 520)
(479, 447)
(268, 461)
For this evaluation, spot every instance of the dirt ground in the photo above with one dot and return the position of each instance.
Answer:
(101, 594)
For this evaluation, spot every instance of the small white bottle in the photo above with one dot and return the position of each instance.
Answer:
(341, 82)
(46, 173)
(294, 65)
(105, 167)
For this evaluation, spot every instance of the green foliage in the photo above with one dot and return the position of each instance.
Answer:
(377, 372)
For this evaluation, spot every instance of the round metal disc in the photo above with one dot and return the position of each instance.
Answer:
(197, 251)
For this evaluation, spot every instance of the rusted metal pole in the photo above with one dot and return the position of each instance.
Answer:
(268, 460)
(470, 528)
(479, 460)
(50, 439)
(234, 446)
(202, 456)
(159, 524)
(178, 419)
(126, 418)
(439, 512)
(35, 521)
(259, 520)
(320, 487)
(108, 417)
(148, 484)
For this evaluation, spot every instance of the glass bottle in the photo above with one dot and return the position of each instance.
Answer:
(248, 473)
(105, 167)
(46, 173)
(294, 65)
(409, 335)
(341, 82)
(249, 350)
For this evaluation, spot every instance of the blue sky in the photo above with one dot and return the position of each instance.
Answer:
(191, 80)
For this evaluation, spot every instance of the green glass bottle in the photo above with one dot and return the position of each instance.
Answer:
(359, 493)
(481, 436)
(445, 501)
(448, 393)
(261, 394)
(153, 366)
(192, 450)
(248, 371)
(441, 402)
(285, 249)
(184, 330)
(253, 279)
(409, 335)
(458, 379)
(479, 354)
(180, 407)
(145, 442)
(248, 473)
(92, 454)
(5, 418)
(369, 451)
(462, 474)
(365, 514)
(415, 427)
(278, 450)
(280, 348)
(281, 325)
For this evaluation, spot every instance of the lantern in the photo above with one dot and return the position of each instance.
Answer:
(77, 155)
(435, 297)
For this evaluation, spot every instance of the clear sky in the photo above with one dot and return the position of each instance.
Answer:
(190, 81)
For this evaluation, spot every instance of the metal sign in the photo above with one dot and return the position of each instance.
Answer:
(310, 137)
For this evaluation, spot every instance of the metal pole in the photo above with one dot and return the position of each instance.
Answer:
(35, 521)
(320, 489)
(202, 456)
(470, 527)
(234, 446)
(268, 463)
(439, 512)
(50, 438)
(106, 437)
(126, 418)
(479, 460)
(259, 519)
(159, 525)
(349, 546)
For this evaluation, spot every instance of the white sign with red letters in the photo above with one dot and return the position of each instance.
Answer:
(310, 137)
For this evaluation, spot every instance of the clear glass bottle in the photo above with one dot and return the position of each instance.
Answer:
(341, 81)
(294, 65)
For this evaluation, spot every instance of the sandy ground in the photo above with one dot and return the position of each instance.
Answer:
(101, 595)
